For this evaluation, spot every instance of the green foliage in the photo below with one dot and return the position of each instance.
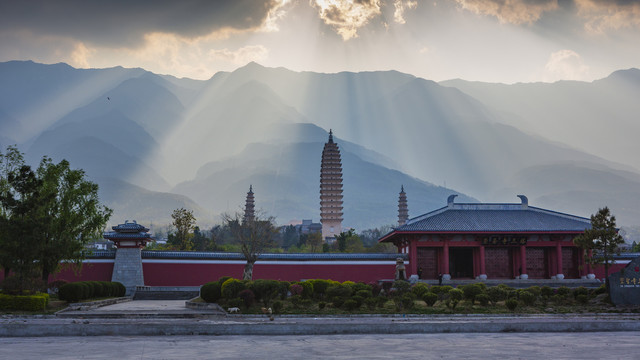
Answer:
(231, 287)
(603, 238)
(582, 299)
(483, 299)
(497, 294)
(184, 222)
(358, 299)
(527, 297)
(81, 290)
(420, 289)
(339, 290)
(602, 289)
(235, 302)
(563, 291)
(401, 287)
(511, 304)
(371, 302)
(351, 304)
(430, 298)
(265, 290)
(36, 302)
(471, 291)
(307, 289)
(546, 292)
(453, 297)
(535, 290)
(319, 287)
(211, 292)
(580, 291)
(364, 293)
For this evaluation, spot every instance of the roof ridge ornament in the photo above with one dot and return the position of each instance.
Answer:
(450, 200)
(525, 201)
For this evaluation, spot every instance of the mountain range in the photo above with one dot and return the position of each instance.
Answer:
(155, 143)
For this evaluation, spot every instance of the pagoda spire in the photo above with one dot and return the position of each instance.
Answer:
(403, 209)
(249, 208)
(331, 190)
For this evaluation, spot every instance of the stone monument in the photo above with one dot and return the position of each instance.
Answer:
(624, 285)
(129, 238)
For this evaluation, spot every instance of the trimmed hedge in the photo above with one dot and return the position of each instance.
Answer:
(81, 290)
(37, 302)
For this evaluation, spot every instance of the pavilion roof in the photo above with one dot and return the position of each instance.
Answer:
(492, 218)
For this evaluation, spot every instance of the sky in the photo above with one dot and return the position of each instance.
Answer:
(504, 41)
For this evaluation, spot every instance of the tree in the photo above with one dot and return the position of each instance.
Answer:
(602, 238)
(10, 163)
(21, 225)
(73, 214)
(349, 241)
(254, 236)
(184, 222)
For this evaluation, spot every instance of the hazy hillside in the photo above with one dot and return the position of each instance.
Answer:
(600, 117)
(208, 140)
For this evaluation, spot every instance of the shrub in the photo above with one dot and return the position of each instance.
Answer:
(600, 290)
(558, 299)
(511, 304)
(119, 289)
(381, 301)
(36, 302)
(265, 290)
(337, 301)
(364, 293)
(430, 298)
(360, 286)
(535, 290)
(407, 301)
(277, 306)
(307, 289)
(295, 300)
(351, 304)
(563, 291)
(371, 302)
(283, 289)
(386, 286)
(527, 297)
(505, 287)
(483, 299)
(582, 299)
(580, 291)
(471, 291)
(402, 287)
(71, 292)
(420, 289)
(319, 287)
(295, 289)
(453, 297)
(339, 290)
(358, 299)
(496, 294)
(441, 290)
(231, 287)
(235, 302)
(482, 286)
(247, 297)
(322, 305)
(546, 292)
(210, 292)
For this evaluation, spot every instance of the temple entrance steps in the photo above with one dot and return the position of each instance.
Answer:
(166, 292)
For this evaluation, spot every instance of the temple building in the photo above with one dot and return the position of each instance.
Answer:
(331, 190)
(493, 241)
(250, 206)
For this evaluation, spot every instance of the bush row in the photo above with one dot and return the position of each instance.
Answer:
(36, 302)
(81, 290)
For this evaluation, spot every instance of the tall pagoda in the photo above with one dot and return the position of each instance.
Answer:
(331, 190)
(403, 209)
(250, 206)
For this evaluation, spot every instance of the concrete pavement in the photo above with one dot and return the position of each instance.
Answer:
(596, 345)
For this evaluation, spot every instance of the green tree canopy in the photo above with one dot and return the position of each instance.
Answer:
(254, 236)
(184, 222)
(603, 238)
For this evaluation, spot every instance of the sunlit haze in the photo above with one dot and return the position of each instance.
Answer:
(480, 40)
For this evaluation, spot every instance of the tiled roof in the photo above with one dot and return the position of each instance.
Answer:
(495, 218)
(151, 254)
(129, 227)
(126, 235)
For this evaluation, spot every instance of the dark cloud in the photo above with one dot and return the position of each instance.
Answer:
(124, 22)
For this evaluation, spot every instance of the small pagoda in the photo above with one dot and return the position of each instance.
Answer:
(130, 238)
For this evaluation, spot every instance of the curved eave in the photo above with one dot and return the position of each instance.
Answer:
(391, 235)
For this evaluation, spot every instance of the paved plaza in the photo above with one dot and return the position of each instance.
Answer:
(598, 345)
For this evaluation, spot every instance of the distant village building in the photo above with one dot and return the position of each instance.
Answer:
(331, 190)
(403, 208)
(250, 206)
(307, 227)
(493, 241)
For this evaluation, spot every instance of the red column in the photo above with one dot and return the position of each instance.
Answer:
(483, 271)
(559, 260)
(523, 262)
(445, 258)
(413, 258)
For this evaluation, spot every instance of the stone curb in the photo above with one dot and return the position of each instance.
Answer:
(94, 304)
(310, 326)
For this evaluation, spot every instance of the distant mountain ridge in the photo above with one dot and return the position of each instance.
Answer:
(168, 141)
